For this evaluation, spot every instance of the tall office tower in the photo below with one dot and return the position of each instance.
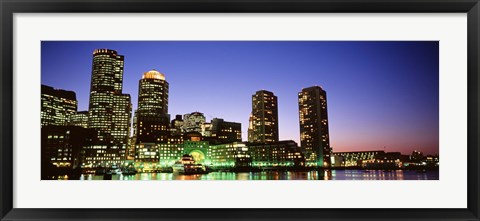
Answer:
(314, 137)
(57, 106)
(193, 122)
(152, 120)
(108, 108)
(264, 117)
(79, 119)
(121, 119)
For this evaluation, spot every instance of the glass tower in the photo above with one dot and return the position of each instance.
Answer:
(152, 119)
(264, 117)
(314, 136)
(109, 110)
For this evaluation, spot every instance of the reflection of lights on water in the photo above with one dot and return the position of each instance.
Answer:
(310, 175)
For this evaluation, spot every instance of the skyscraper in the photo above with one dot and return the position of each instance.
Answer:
(314, 136)
(264, 117)
(108, 111)
(121, 119)
(57, 106)
(152, 119)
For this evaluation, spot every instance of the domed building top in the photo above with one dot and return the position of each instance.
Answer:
(153, 74)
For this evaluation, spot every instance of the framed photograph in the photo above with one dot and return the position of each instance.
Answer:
(259, 110)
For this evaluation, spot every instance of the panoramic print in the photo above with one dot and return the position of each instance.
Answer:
(239, 110)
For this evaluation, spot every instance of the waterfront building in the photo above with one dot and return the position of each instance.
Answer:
(226, 132)
(276, 154)
(314, 135)
(229, 155)
(103, 155)
(130, 155)
(62, 146)
(146, 157)
(79, 119)
(156, 156)
(57, 106)
(355, 158)
(198, 149)
(193, 122)
(152, 119)
(169, 153)
(107, 105)
(417, 156)
(264, 117)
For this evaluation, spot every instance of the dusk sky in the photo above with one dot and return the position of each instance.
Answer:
(379, 94)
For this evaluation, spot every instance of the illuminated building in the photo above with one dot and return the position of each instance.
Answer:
(121, 118)
(169, 153)
(108, 107)
(226, 132)
(314, 136)
(79, 118)
(61, 147)
(155, 156)
(198, 149)
(355, 158)
(417, 156)
(207, 129)
(276, 154)
(264, 117)
(146, 157)
(193, 122)
(153, 93)
(103, 155)
(177, 125)
(152, 119)
(250, 128)
(229, 155)
(57, 106)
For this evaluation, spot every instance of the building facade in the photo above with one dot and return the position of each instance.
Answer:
(193, 122)
(57, 106)
(355, 158)
(229, 155)
(176, 126)
(107, 102)
(226, 132)
(276, 154)
(121, 119)
(103, 155)
(79, 119)
(314, 135)
(264, 117)
(152, 119)
(62, 146)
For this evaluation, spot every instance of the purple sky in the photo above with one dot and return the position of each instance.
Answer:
(380, 94)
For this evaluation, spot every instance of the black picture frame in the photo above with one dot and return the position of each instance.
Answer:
(9, 7)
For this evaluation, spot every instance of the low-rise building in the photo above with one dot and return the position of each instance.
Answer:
(276, 154)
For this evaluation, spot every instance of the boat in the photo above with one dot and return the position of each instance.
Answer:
(187, 166)
(114, 170)
(129, 171)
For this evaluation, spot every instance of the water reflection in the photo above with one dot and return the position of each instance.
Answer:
(275, 175)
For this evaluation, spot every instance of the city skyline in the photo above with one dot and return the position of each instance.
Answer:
(402, 122)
